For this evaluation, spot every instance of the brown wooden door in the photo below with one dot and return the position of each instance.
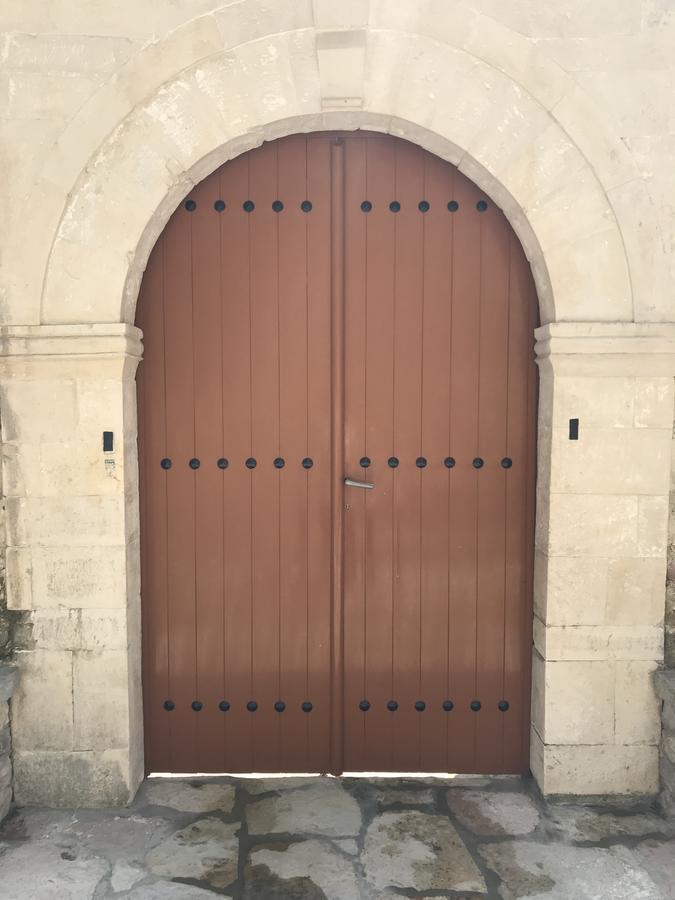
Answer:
(321, 307)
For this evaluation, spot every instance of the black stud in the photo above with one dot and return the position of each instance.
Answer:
(190, 205)
(475, 705)
(306, 206)
(503, 705)
(364, 462)
(194, 463)
(277, 206)
(307, 463)
(250, 463)
(395, 206)
(449, 462)
(481, 206)
(197, 705)
(248, 205)
(392, 462)
(280, 706)
(219, 205)
(453, 206)
(279, 463)
(224, 705)
(477, 463)
(506, 463)
(306, 706)
(448, 705)
(364, 705)
(392, 706)
(166, 463)
(420, 705)
(423, 206)
(251, 706)
(420, 462)
(366, 206)
(169, 705)
(222, 463)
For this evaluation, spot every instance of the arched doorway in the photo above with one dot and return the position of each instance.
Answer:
(334, 306)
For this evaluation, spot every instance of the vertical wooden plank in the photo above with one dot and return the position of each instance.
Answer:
(265, 444)
(464, 354)
(378, 446)
(318, 492)
(355, 424)
(236, 479)
(409, 312)
(292, 478)
(208, 411)
(153, 496)
(437, 225)
(492, 424)
(181, 486)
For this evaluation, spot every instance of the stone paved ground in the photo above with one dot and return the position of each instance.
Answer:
(330, 839)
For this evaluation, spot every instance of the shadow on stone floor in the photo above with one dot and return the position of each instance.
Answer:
(338, 839)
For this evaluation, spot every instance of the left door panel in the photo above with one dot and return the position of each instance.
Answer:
(234, 449)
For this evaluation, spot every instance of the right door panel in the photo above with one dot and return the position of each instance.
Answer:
(440, 413)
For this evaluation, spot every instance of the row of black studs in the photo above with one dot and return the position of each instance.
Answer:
(364, 705)
(393, 462)
(306, 206)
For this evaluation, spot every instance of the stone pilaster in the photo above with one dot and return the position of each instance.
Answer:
(73, 560)
(601, 547)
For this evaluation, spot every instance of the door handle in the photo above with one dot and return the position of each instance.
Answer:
(352, 482)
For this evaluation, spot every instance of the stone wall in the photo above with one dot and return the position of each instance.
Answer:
(664, 681)
(8, 679)
(563, 113)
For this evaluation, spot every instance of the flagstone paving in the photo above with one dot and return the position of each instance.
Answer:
(338, 839)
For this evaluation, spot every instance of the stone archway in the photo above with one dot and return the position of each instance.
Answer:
(516, 126)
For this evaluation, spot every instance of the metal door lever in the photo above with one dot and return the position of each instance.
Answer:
(352, 482)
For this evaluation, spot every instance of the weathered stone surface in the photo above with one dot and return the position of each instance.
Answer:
(531, 871)
(658, 858)
(206, 850)
(587, 825)
(9, 678)
(42, 872)
(185, 797)
(493, 812)
(266, 785)
(419, 851)
(392, 796)
(168, 890)
(322, 809)
(310, 870)
(125, 876)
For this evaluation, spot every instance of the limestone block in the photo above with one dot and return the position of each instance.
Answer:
(44, 95)
(654, 402)
(241, 23)
(574, 592)
(589, 771)
(98, 778)
(594, 265)
(341, 58)
(596, 525)
(571, 20)
(19, 574)
(56, 629)
(70, 521)
(42, 716)
(38, 409)
(104, 629)
(60, 628)
(611, 461)
(637, 710)
(578, 703)
(80, 577)
(652, 526)
(57, 469)
(100, 683)
(635, 591)
(61, 53)
(600, 642)
(598, 402)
